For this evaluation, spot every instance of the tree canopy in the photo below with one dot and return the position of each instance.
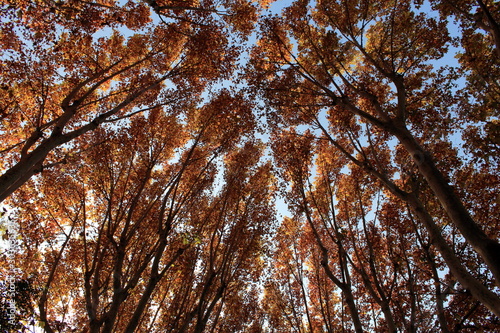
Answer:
(244, 166)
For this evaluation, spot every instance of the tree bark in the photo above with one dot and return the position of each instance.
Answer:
(486, 247)
(477, 289)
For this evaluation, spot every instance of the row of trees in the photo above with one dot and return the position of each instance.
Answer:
(145, 192)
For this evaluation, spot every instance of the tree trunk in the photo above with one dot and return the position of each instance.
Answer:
(477, 289)
(486, 247)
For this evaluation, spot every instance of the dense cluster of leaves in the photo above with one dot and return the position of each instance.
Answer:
(144, 190)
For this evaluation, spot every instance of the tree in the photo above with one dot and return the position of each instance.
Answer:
(138, 167)
(22, 295)
(359, 75)
(358, 238)
(478, 58)
(144, 239)
(69, 68)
